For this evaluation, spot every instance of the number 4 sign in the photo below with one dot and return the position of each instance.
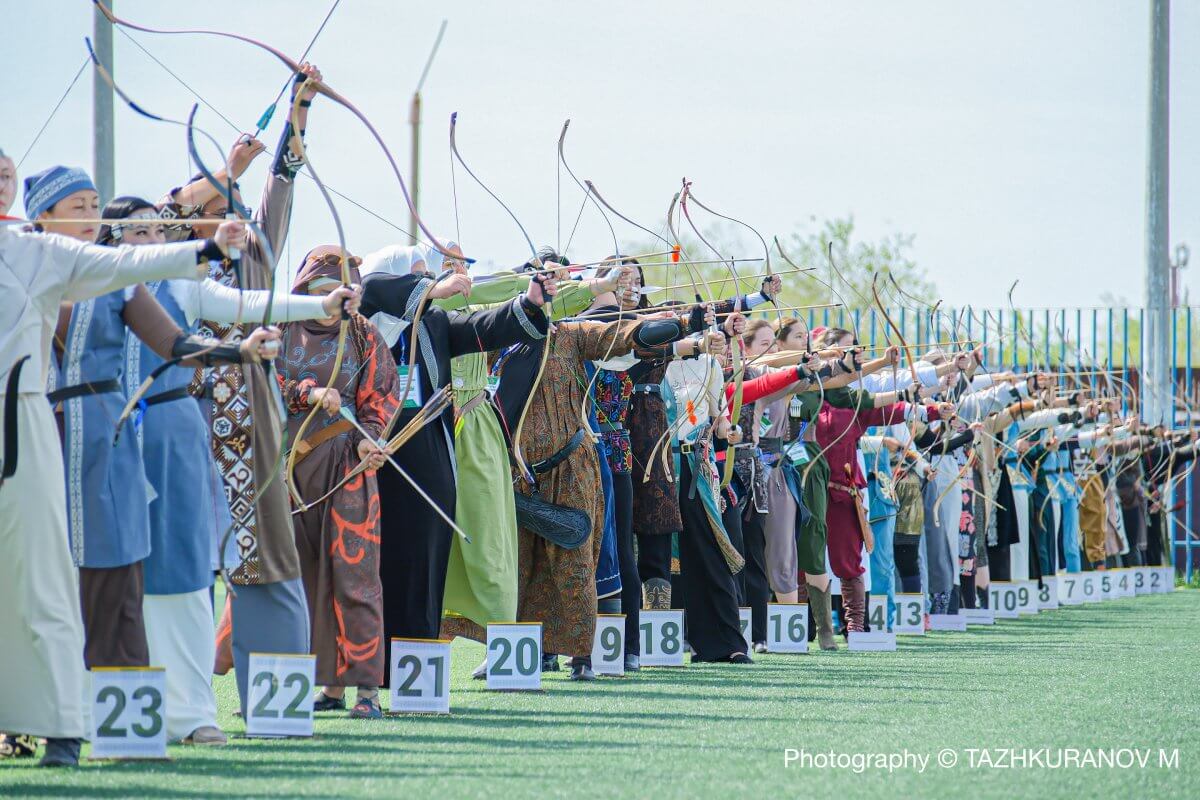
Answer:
(128, 712)
(514, 656)
(280, 701)
(420, 676)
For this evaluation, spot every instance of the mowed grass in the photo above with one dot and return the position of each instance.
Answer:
(1119, 674)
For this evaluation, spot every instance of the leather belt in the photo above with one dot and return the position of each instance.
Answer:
(547, 464)
(80, 389)
(178, 393)
(647, 388)
(685, 448)
(331, 431)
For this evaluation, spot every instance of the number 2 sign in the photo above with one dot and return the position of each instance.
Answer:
(280, 699)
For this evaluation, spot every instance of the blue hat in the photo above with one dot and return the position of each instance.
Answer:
(45, 188)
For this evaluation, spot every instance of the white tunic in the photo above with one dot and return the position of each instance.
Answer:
(40, 624)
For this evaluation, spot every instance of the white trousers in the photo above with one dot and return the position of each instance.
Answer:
(179, 630)
(1018, 554)
(41, 627)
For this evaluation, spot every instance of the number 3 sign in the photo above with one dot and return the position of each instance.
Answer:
(128, 713)
(280, 701)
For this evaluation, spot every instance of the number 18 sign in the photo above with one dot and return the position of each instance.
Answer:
(280, 698)
(128, 713)
(420, 676)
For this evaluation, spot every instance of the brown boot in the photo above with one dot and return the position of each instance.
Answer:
(854, 604)
(656, 594)
(822, 614)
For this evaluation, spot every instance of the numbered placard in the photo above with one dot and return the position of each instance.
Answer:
(514, 656)
(280, 689)
(1070, 588)
(947, 622)
(1089, 583)
(1004, 600)
(1048, 594)
(787, 627)
(1027, 597)
(979, 616)
(129, 712)
(1125, 583)
(1108, 585)
(877, 613)
(420, 676)
(1141, 580)
(745, 620)
(872, 641)
(608, 647)
(1154, 580)
(1168, 579)
(662, 637)
(910, 614)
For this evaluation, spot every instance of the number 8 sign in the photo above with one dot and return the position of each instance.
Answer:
(514, 656)
(128, 713)
(420, 676)
(279, 695)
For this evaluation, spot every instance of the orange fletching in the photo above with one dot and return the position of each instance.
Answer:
(675, 254)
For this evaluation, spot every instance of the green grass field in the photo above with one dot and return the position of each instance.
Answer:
(1120, 674)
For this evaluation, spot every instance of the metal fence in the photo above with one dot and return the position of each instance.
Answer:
(1096, 347)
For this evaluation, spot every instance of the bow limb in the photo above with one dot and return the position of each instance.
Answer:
(739, 374)
(766, 249)
(299, 148)
(591, 383)
(547, 344)
(319, 86)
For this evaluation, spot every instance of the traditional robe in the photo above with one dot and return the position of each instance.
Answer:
(41, 624)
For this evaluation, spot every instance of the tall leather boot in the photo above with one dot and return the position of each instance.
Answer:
(854, 603)
(819, 610)
(656, 594)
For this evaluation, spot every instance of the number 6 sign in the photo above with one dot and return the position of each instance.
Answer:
(128, 712)
(280, 700)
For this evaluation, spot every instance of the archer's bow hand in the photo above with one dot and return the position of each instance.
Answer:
(713, 343)
(306, 71)
(261, 345)
(542, 289)
(343, 298)
(735, 324)
(772, 285)
(327, 399)
(231, 235)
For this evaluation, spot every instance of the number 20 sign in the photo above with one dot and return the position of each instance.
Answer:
(420, 676)
(514, 656)
(128, 713)
(280, 699)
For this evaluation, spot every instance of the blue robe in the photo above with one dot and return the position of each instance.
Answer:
(189, 514)
(107, 503)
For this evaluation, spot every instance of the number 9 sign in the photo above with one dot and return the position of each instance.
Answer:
(608, 648)
(128, 713)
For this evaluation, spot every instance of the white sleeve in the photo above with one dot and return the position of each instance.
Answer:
(1046, 418)
(214, 301)
(871, 444)
(927, 374)
(95, 269)
(982, 381)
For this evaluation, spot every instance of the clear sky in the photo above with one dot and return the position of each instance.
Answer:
(1009, 137)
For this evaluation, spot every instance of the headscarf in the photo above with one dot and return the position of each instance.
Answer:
(44, 189)
(399, 259)
(324, 263)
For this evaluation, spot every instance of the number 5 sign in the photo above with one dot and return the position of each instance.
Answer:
(514, 656)
(420, 676)
(280, 701)
(128, 712)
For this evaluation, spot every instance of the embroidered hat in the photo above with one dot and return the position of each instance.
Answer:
(44, 189)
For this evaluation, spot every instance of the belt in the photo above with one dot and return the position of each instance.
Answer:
(609, 427)
(178, 393)
(80, 389)
(547, 464)
(334, 429)
(647, 388)
(686, 448)
(771, 444)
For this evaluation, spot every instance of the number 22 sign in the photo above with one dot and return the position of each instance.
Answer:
(280, 699)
